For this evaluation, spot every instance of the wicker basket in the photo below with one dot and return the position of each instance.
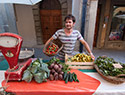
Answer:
(56, 42)
(78, 65)
(111, 79)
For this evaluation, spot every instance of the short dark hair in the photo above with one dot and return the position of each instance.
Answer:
(70, 16)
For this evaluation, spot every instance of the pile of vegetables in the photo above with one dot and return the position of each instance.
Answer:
(56, 71)
(52, 49)
(52, 70)
(37, 70)
(57, 61)
(70, 77)
(105, 65)
(81, 57)
(60, 71)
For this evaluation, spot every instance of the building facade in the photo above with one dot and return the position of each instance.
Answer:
(111, 24)
(102, 23)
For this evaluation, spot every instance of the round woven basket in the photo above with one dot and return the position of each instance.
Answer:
(56, 42)
(111, 79)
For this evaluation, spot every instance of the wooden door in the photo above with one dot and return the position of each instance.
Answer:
(51, 18)
(51, 22)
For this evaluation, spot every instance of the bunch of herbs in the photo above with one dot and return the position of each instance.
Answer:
(105, 65)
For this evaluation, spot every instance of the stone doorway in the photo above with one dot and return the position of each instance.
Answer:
(37, 18)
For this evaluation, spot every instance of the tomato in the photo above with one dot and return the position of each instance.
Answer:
(52, 49)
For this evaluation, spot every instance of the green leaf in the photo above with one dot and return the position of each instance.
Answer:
(34, 69)
(27, 76)
(44, 67)
(38, 77)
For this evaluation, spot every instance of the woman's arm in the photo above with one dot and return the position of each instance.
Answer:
(87, 48)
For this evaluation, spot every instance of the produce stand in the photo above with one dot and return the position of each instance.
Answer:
(86, 86)
(34, 77)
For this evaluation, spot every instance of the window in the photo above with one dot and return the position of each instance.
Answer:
(117, 31)
(7, 19)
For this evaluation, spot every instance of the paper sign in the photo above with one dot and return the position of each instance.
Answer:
(117, 65)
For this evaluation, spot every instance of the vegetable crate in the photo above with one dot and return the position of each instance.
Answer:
(78, 65)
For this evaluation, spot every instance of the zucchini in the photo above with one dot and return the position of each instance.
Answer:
(70, 77)
(77, 80)
(65, 74)
(67, 78)
(73, 77)
(71, 80)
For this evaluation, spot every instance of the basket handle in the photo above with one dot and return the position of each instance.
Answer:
(121, 75)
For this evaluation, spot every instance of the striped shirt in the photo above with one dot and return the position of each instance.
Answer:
(68, 41)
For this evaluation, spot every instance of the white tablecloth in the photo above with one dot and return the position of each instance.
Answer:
(107, 88)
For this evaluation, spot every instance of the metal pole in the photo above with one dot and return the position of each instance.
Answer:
(84, 7)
